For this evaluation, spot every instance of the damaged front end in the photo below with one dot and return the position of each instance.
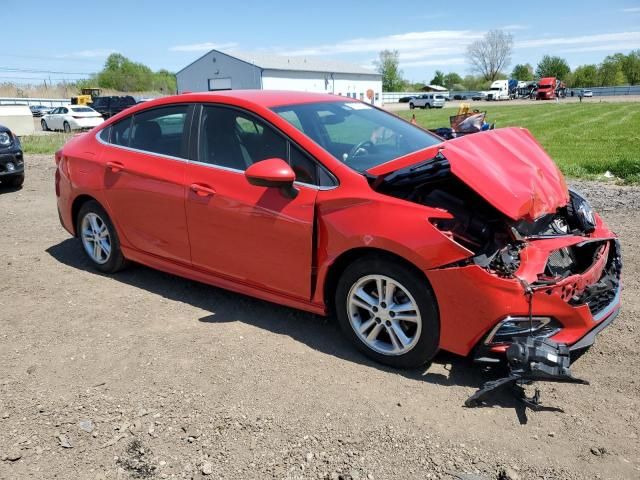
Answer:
(543, 264)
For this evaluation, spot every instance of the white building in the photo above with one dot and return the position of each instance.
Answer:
(217, 70)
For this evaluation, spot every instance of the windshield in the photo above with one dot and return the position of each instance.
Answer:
(355, 133)
(82, 109)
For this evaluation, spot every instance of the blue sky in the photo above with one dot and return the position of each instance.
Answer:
(69, 39)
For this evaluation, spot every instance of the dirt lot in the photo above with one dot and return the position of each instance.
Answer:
(146, 375)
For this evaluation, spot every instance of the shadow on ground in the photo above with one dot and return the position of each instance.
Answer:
(320, 333)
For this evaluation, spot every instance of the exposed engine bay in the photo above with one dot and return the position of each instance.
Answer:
(498, 242)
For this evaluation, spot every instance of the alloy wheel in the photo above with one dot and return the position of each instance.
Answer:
(384, 315)
(96, 238)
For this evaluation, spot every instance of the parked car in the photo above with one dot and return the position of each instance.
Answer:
(110, 106)
(587, 93)
(460, 96)
(329, 205)
(406, 99)
(428, 100)
(11, 159)
(479, 96)
(39, 110)
(71, 117)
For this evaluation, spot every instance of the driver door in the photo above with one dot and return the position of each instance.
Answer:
(253, 235)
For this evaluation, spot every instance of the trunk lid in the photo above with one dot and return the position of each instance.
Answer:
(507, 167)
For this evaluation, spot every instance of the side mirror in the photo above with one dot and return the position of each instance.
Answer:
(272, 172)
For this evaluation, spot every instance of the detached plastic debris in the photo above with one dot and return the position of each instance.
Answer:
(530, 359)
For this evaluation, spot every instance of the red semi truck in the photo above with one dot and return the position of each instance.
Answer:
(550, 88)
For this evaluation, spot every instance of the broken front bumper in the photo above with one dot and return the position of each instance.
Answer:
(474, 301)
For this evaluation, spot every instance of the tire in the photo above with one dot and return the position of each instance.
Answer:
(44, 126)
(14, 181)
(412, 298)
(66, 127)
(428, 105)
(91, 218)
(411, 106)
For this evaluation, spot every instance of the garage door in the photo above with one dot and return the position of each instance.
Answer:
(220, 83)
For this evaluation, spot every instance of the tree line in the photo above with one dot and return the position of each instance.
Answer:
(490, 57)
(124, 75)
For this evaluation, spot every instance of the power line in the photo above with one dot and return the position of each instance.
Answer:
(29, 70)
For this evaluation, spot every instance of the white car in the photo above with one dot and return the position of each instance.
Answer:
(429, 100)
(587, 93)
(71, 117)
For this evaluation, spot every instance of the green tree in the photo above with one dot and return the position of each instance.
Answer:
(522, 72)
(585, 76)
(553, 67)
(631, 67)
(438, 78)
(610, 71)
(472, 82)
(452, 80)
(388, 65)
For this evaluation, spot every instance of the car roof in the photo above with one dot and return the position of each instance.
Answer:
(263, 98)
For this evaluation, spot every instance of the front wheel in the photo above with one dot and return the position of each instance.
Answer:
(67, 127)
(44, 126)
(388, 311)
(412, 106)
(99, 238)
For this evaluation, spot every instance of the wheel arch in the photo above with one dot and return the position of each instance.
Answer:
(346, 258)
(77, 204)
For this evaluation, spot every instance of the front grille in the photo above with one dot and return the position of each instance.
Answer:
(600, 301)
(560, 262)
(602, 293)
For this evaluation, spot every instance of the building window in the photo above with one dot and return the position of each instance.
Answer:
(361, 96)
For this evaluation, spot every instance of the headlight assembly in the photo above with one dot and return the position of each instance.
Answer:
(5, 139)
(580, 212)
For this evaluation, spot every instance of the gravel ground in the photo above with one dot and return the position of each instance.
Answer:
(146, 375)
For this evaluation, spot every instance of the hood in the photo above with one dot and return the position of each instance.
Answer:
(507, 167)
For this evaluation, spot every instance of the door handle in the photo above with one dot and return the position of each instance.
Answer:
(115, 166)
(202, 190)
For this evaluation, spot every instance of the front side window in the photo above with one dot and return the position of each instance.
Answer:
(356, 133)
(232, 139)
(159, 130)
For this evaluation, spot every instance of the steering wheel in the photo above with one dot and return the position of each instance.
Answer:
(353, 153)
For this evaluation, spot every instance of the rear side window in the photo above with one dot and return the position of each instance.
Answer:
(160, 131)
(121, 132)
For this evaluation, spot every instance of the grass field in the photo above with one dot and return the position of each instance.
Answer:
(586, 139)
(44, 143)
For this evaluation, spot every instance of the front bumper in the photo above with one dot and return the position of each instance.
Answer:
(581, 305)
(11, 162)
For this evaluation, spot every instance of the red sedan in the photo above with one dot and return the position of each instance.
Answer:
(332, 206)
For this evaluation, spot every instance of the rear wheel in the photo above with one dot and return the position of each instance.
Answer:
(67, 127)
(99, 238)
(388, 311)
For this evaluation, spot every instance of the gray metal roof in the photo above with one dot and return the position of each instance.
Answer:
(269, 61)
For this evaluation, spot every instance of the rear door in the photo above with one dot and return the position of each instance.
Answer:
(253, 235)
(145, 160)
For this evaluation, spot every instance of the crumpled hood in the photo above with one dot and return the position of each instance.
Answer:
(507, 167)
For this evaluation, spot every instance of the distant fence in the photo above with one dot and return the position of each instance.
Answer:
(47, 102)
(394, 97)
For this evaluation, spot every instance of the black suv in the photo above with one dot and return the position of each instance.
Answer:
(11, 159)
(109, 106)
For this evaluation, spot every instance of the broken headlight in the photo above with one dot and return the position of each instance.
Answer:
(580, 213)
(512, 328)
